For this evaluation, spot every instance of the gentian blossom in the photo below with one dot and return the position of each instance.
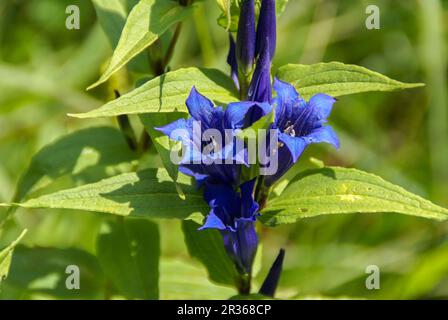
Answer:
(233, 209)
(299, 124)
(234, 213)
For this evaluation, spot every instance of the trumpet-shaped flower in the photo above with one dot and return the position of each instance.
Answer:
(234, 213)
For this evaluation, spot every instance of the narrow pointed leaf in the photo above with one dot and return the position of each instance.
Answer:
(146, 22)
(337, 79)
(168, 93)
(147, 193)
(335, 190)
(6, 256)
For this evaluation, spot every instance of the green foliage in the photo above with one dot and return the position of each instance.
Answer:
(128, 251)
(40, 273)
(337, 79)
(85, 156)
(335, 190)
(207, 247)
(146, 22)
(168, 93)
(149, 193)
(163, 144)
(6, 257)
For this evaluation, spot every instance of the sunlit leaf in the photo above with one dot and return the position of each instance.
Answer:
(337, 79)
(145, 23)
(147, 193)
(336, 190)
(6, 257)
(168, 93)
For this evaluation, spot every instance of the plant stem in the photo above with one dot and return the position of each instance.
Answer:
(244, 284)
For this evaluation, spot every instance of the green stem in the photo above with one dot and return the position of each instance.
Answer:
(244, 284)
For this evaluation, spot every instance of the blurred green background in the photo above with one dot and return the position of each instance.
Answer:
(402, 136)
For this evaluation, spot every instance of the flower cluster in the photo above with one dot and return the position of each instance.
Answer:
(232, 199)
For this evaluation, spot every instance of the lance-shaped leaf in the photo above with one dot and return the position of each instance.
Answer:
(337, 79)
(335, 190)
(208, 247)
(147, 193)
(168, 93)
(128, 251)
(6, 256)
(146, 22)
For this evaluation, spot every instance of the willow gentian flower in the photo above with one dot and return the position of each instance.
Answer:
(245, 40)
(223, 164)
(260, 86)
(299, 124)
(266, 28)
(234, 213)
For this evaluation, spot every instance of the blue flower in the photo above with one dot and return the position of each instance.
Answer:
(299, 124)
(260, 86)
(234, 213)
(245, 40)
(266, 28)
(204, 116)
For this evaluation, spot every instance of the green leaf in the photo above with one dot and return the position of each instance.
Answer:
(180, 280)
(207, 246)
(112, 16)
(168, 93)
(147, 193)
(337, 79)
(40, 273)
(163, 144)
(128, 251)
(80, 154)
(6, 256)
(146, 22)
(334, 190)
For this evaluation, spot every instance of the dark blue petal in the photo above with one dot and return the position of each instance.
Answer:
(240, 115)
(179, 130)
(285, 162)
(271, 282)
(295, 145)
(267, 29)
(321, 105)
(260, 86)
(249, 205)
(200, 108)
(241, 244)
(231, 60)
(245, 40)
(323, 134)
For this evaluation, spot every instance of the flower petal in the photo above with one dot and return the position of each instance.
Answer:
(249, 207)
(200, 108)
(179, 130)
(323, 134)
(321, 105)
(240, 115)
(295, 145)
